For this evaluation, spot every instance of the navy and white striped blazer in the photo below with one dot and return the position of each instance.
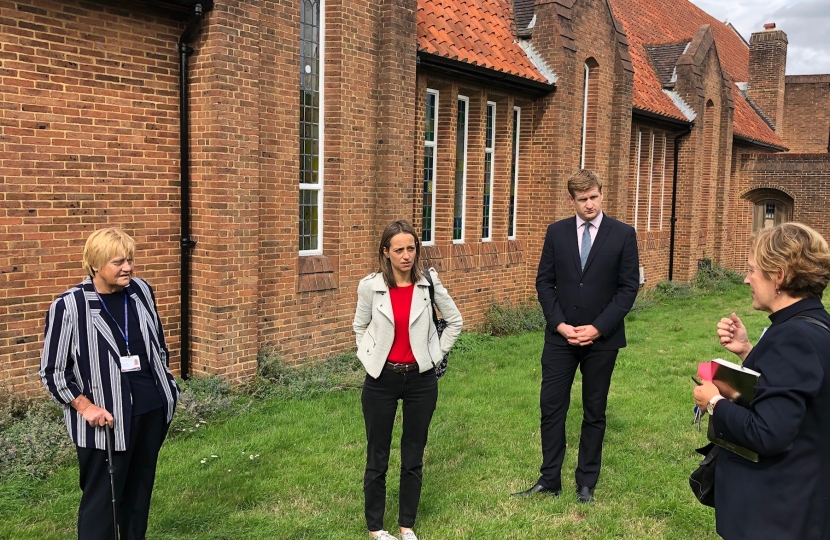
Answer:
(80, 356)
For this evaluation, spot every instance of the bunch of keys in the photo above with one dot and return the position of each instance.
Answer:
(698, 415)
(698, 411)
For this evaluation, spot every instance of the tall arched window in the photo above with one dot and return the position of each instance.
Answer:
(489, 150)
(430, 161)
(311, 127)
(460, 200)
(590, 98)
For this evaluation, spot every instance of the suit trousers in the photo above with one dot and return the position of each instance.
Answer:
(134, 476)
(419, 393)
(559, 364)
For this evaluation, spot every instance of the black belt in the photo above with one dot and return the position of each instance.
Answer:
(398, 367)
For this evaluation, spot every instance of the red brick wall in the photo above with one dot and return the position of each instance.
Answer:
(804, 177)
(568, 38)
(703, 158)
(653, 199)
(478, 273)
(89, 132)
(807, 114)
(767, 64)
(88, 138)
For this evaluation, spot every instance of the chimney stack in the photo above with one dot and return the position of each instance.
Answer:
(767, 67)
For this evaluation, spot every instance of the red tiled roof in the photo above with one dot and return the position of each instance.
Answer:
(478, 32)
(655, 22)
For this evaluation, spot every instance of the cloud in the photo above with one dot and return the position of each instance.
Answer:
(805, 23)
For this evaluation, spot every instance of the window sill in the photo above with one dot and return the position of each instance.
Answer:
(316, 273)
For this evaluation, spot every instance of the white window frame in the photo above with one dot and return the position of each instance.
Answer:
(663, 183)
(514, 178)
(492, 151)
(466, 101)
(650, 180)
(319, 186)
(434, 145)
(584, 116)
(637, 184)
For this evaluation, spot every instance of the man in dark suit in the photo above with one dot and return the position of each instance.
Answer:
(587, 281)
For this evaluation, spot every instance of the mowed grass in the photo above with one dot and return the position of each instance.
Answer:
(294, 469)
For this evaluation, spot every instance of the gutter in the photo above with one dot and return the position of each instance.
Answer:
(759, 143)
(666, 121)
(186, 243)
(484, 75)
(673, 219)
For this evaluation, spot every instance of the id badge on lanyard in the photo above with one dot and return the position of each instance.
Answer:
(130, 362)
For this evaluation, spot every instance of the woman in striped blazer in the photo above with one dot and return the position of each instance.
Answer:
(106, 362)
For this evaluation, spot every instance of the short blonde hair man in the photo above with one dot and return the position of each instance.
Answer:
(584, 180)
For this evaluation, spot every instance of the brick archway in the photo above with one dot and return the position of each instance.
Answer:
(771, 207)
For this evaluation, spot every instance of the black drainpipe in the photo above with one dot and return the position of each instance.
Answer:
(674, 198)
(187, 244)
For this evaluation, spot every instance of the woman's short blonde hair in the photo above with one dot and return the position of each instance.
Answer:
(104, 245)
(800, 252)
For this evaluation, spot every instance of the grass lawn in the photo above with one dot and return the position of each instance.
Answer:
(293, 469)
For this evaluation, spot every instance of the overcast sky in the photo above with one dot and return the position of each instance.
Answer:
(806, 23)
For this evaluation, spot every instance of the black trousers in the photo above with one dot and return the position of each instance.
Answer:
(559, 366)
(419, 392)
(135, 473)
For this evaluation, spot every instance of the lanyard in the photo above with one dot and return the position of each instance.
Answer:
(126, 332)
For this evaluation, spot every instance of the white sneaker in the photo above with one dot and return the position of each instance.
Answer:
(408, 535)
(383, 535)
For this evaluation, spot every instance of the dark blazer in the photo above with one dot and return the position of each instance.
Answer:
(600, 295)
(80, 356)
(786, 495)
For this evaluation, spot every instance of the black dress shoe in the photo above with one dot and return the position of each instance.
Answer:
(584, 494)
(538, 488)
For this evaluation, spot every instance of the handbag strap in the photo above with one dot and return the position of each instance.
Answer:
(811, 320)
(432, 297)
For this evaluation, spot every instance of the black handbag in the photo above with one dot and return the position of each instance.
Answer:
(440, 324)
(702, 479)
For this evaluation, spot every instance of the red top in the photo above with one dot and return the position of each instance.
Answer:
(401, 298)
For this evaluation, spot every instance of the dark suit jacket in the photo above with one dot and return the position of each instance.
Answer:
(786, 495)
(600, 295)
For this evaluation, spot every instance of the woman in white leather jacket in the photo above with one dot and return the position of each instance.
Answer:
(399, 346)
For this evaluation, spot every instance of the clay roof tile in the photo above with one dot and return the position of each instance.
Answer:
(659, 23)
(479, 32)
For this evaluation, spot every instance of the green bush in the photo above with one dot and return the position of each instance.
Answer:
(713, 277)
(277, 378)
(509, 319)
(201, 399)
(709, 278)
(33, 439)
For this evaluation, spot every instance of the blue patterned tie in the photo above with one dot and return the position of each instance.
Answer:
(586, 244)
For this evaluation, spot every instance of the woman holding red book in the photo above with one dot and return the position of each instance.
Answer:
(786, 494)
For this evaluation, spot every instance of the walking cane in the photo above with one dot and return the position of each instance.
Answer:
(111, 469)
